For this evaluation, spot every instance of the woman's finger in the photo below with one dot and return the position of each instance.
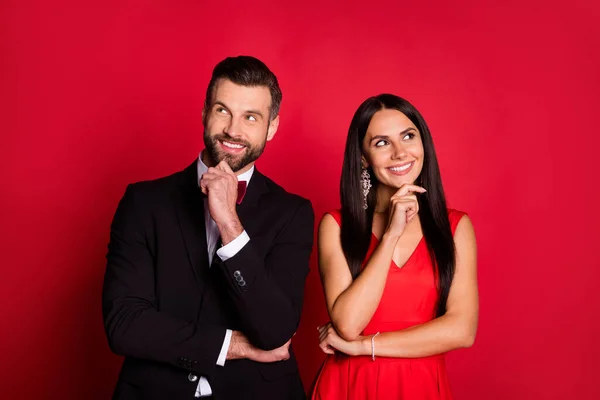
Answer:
(406, 188)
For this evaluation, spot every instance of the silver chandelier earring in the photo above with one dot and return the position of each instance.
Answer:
(365, 179)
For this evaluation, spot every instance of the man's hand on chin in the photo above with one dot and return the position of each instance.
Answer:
(220, 184)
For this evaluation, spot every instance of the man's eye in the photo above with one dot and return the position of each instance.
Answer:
(251, 118)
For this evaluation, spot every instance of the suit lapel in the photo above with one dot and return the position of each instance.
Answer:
(250, 205)
(189, 206)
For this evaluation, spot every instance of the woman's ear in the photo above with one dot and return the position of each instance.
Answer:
(363, 162)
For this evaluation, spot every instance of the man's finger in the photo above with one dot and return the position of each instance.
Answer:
(216, 171)
(223, 166)
(209, 177)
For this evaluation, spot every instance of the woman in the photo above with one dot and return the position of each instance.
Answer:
(398, 268)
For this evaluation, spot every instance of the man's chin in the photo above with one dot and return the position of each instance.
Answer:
(235, 162)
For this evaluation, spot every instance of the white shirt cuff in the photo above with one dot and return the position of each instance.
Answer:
(233, 247)
(224, 348)
(203, 389)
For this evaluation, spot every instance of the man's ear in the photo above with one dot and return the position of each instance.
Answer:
(273, 126)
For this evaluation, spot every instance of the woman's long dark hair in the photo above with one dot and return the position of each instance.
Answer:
(357, 222)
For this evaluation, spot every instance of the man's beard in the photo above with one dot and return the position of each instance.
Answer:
(250, 154)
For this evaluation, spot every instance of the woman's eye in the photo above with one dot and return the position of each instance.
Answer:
(380, 143)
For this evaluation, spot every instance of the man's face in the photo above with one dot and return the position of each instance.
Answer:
(237, 125)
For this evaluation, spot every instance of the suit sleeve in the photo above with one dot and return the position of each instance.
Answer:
(134, 326)
(268, 291)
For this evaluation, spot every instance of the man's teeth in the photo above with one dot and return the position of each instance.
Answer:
(402, 168)
(232, 145)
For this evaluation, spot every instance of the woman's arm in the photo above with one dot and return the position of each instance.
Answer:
(455, 329)
(351, 304)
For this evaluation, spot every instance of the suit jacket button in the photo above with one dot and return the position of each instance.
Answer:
(237, 273)
(192, 378)
(242, 283)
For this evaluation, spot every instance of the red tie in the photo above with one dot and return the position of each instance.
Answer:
(241, 191)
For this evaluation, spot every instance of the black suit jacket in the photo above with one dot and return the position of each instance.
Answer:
(166, 310)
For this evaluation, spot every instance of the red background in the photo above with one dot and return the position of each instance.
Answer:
(100, 94)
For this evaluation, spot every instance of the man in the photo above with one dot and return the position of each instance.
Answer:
(206, 268)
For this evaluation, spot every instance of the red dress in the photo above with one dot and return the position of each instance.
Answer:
(409, 298)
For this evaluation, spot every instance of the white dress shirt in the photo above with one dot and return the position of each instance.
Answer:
(224, 253)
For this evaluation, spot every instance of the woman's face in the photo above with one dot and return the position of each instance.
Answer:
(393, 148)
